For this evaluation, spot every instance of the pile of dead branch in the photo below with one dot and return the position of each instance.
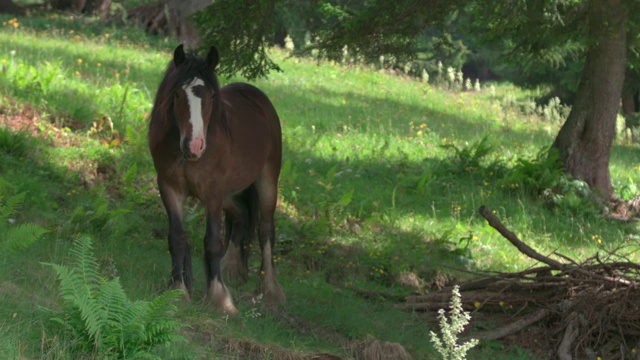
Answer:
(589, 309)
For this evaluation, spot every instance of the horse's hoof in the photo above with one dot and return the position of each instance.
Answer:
(275, 297)
(219, 296)
(185, 293)
(230, 310)
(273, 292)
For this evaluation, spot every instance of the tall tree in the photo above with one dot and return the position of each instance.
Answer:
(585, 139)
(549, 30)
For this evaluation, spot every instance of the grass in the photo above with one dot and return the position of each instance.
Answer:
(383, 175)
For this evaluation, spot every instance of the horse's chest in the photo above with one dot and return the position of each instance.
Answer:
(219, 182)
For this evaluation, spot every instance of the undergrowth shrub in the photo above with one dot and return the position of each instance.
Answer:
(448, 346)
(100, 321)
(543, 177)
(14, 144)
(472, 158)
(627, 191)
(97, 214)
(14, 237)
(535, 175)
(554, 111)
(334, 211)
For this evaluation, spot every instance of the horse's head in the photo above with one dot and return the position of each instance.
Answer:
(196, 99)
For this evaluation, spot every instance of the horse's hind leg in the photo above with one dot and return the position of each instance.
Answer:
(268, 195)
(234, 263)
(181, 270)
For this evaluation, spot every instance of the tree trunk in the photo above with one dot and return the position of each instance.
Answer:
(89, 7)
(9, 7)
(585, 140)
(180, 11)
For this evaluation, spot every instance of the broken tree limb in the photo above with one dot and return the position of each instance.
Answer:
(570, 333)
(513, 239)
(530, 252)
(514, 327)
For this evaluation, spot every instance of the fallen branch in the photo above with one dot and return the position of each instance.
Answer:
(514, 327)
(513, 239)
(530, 252)
(588, 306)
(570, 333)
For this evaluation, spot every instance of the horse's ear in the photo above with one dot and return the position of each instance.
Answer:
(178, 55)
(213, 57)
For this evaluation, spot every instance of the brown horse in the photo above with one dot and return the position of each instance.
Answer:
(224, 147)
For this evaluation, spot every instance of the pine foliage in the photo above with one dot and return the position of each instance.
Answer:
(99, 319)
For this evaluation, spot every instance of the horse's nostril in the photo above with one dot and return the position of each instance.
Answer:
(197, 146)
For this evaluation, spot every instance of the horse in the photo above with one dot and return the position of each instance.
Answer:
(223, 146)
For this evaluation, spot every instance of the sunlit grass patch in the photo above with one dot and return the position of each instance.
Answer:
(382, 178)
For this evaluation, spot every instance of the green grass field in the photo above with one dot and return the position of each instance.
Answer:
(382, 176)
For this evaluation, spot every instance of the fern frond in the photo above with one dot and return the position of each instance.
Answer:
(134, 326)
(20, 237)
(159, 319)
(93, 318)
(72, 286)
(84, 262)
(100, 317)
(113, 300)
(114, 304)
(10, 206)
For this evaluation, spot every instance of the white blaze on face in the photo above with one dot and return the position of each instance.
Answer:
(195, 117)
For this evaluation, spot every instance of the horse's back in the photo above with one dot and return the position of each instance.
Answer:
(254, 126)
(248, 108)
(241, 94)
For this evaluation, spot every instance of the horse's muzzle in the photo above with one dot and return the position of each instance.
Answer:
(192, 150)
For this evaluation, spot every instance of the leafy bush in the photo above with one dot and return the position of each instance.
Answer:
(544, 177)
(448, 346)
(14, 237)
(536, 175)
(98, 318)
(472, 158)
(14, 144)
(554, 111)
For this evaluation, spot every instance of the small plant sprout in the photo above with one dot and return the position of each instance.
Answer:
(467, 85)
(448, 346)
(288, 44)
(476, 85)
(381, 59)
(307, 38)
(407, 67)
(425, 76)
(459, 78)
(451, 76)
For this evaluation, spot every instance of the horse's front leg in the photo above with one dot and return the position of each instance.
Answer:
(181, 269)
(217, 291)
